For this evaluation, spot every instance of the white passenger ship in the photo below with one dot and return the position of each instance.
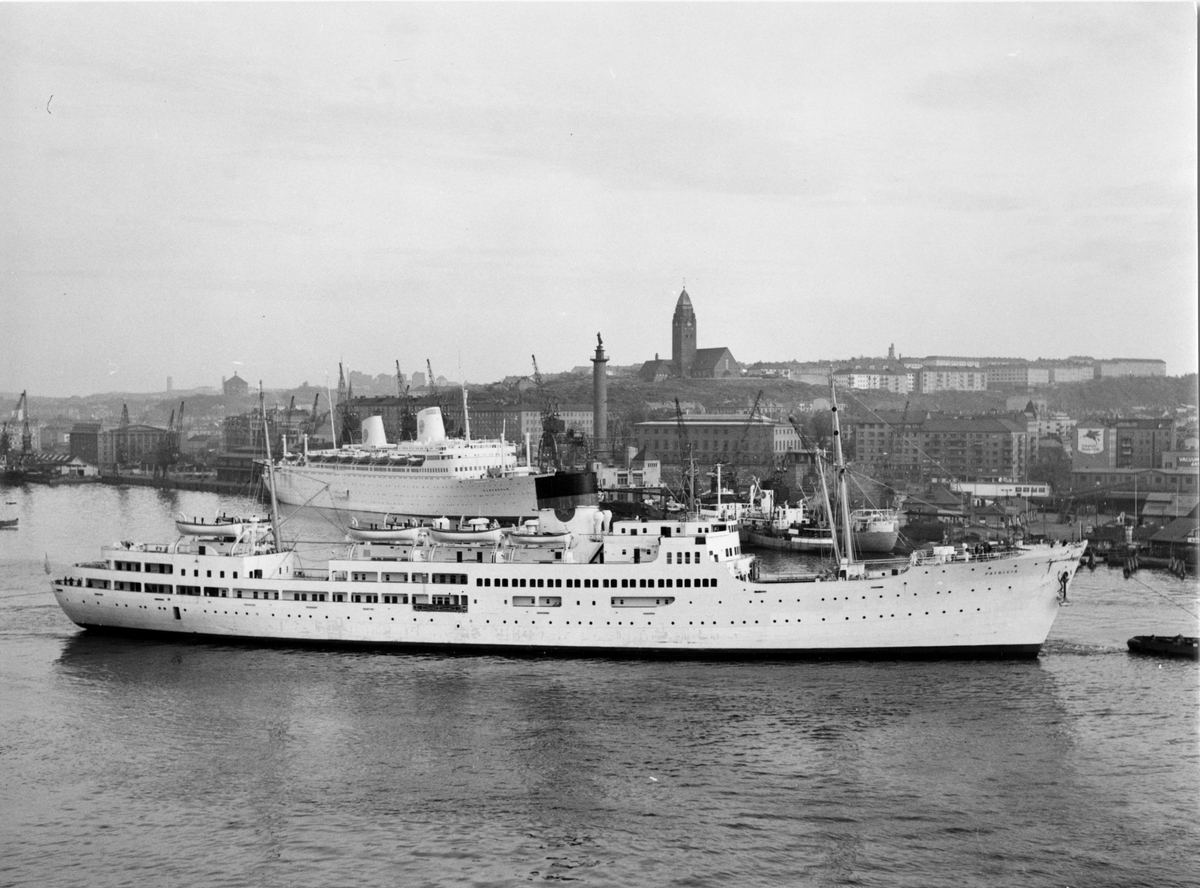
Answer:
(577, 583)
(427, 478)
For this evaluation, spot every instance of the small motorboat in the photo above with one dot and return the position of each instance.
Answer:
(1165, 646)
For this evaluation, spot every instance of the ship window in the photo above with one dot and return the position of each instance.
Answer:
(668, 558)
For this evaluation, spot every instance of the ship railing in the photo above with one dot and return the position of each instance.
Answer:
(310, 574)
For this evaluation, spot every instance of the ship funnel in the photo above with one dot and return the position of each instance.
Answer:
(567, 501)
(372, 432)
(430, 428)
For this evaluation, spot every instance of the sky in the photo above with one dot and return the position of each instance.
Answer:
(194, 189)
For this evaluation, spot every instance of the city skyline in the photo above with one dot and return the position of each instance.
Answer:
(197, 188)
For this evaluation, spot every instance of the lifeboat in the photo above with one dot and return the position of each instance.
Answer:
(385, 533)
(221, 526)
(526, 537)
(475, 531)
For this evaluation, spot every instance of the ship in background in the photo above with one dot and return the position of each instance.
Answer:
(432, 476)
(439, 475)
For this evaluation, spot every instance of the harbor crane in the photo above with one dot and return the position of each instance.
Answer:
(553, 426)
(687, 465)
(408, 419)
(122, 454)
(739, 448)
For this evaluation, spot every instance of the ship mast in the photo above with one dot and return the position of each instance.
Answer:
(270, 468)
(842, 493)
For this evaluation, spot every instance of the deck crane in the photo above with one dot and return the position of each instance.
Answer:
(549, 457)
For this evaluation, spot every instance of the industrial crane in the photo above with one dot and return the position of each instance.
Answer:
(437, 396)
(891, 451)
(122, 454)
(18, 415)
(350, 422)
(735, 461)
(314, 418)
(552, 426)
(167, 452)
(687, 465)
(408, 419)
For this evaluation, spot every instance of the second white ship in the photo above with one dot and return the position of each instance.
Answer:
(430, 477)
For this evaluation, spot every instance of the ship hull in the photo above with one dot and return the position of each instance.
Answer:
(943, 652)
(879, 542)
(392, 491)
(973, 608)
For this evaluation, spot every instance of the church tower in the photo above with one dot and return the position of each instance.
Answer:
(683, 336)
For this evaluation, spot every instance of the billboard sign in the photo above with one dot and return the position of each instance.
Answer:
(1089, 441)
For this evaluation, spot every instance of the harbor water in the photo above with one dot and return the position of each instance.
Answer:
(135, 762)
